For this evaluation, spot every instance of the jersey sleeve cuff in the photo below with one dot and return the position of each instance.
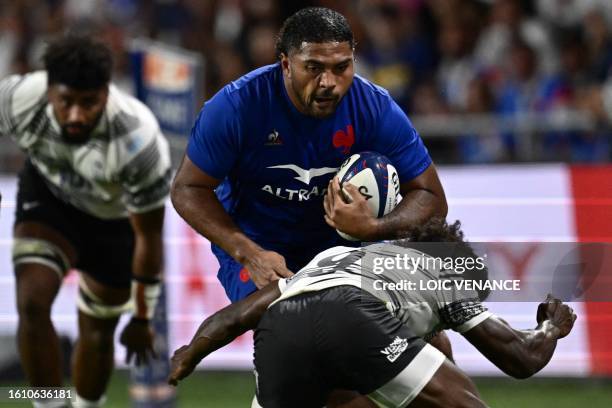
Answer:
(282, 284)
(473, 322)
(417, 170)
(193, 152)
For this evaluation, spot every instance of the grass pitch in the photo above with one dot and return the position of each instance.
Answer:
(235, 390)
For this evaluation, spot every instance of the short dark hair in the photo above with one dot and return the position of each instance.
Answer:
(313, 24)
(437, 238)
(78, 62)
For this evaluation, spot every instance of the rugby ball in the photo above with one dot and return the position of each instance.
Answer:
(375, 178)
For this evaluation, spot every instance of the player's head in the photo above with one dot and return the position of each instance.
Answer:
(78, 71)
(315, 47)
(439, 239)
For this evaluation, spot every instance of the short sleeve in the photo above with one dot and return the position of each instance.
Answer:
(146, 179)
(215, 138)
(18, 96)
(396, 138)
(460, 309)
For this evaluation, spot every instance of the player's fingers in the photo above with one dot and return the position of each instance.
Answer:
(348, 194)
(326, 204)
(330, 193)
(352, 192)
(329, 221)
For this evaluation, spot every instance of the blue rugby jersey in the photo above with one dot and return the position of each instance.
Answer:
(275, 162)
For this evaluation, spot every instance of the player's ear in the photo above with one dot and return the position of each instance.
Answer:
(284, 60)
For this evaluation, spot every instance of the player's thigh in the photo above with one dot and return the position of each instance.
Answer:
(286, 369)
(41, 258)
(448, 388)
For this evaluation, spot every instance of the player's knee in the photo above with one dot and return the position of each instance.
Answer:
(33, 309)
(100, 340)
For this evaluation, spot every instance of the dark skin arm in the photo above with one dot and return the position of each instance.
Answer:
(423, 198)
(220, 329)
(522, 353)
(193, 197)
(137, 336)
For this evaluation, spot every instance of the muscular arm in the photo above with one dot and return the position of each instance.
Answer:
(522, 353)
(148, 245)
(194, 198)
(423, 198)
(220, 329)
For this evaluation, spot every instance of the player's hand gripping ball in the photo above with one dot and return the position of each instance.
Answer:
(375, 178)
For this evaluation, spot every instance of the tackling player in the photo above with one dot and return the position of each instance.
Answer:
(331, 327)
(90, 197)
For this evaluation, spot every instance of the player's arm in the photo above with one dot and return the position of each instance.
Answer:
(220, 329)
(423, 198)
(137, 336)
(193, 197)
(421, 189)
(522, 353)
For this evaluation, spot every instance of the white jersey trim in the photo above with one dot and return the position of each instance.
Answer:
(473, 322)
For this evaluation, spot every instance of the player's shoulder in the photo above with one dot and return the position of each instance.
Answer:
(369, 91)
(132, 125)
(254, 87)
(127, 115)
(371, 99)
(25, 91)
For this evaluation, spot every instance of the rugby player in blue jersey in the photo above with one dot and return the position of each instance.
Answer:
(265, 148)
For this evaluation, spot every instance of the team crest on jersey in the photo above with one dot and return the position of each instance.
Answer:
(344, 140)
(274, 139)
(395, 349)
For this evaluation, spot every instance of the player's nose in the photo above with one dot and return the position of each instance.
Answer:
(76, 114)
(328, 80)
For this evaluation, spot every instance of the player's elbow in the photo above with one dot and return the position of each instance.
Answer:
(442, 208)
(522, 367)
(179, 195)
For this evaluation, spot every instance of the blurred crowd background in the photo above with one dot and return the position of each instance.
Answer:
(484, 81)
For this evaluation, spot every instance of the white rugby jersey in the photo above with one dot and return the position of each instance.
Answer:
(124, 166)
(425, 311)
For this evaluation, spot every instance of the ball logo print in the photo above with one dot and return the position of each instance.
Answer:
(375, 178)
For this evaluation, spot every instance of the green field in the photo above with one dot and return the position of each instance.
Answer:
(235, 389)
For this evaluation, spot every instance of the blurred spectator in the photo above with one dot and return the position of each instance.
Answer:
(457, 63)
(507, 20)
(440, 57)
(487, 145)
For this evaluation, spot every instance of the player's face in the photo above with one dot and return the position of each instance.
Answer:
(77, 111)
(318, 75)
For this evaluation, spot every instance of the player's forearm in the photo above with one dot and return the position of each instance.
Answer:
(148, 244)
(519, 354)
(416, 207)
(232, 321)
(148, 256)
(201, 209)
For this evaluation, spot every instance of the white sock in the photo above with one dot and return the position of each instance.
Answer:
(80, 402)
(49, 403)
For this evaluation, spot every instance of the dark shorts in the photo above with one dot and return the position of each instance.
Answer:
(338, 338)
(104, 247)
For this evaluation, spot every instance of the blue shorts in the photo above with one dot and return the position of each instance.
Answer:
(235, 279)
